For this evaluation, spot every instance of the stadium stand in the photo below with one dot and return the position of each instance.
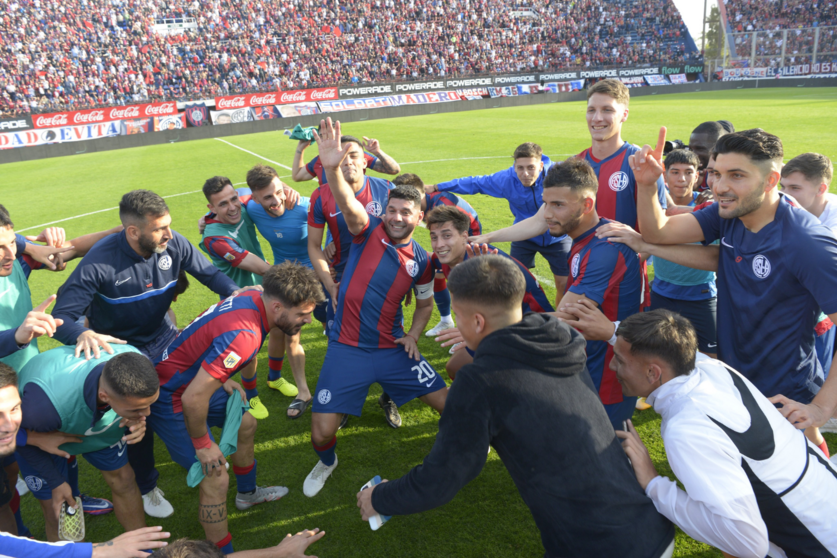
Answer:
(754, 15)
(78, 54)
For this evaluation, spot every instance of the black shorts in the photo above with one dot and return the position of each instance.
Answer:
(702, 314)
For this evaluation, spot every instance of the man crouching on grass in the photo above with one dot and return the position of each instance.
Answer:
(528, 394)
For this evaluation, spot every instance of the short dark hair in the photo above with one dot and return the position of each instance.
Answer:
(215, 185)
(409, 179)
(527, 149)
(756, 144)
(663, 334)
(5, 220)
(292, 284)
(185, 548)
(449, 214)
(574, 173)
(813, 166)
(8, 376)
(681, 157)
(406, 193)
(345, 138)
(260, 177)
(138, 205)
(727, 125)
(131, 375)
(712, 129)
(490, 280)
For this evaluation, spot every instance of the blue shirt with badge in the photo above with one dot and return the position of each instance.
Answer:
(771, 286)
(288, 234)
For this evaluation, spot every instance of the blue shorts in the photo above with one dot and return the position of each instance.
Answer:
(556, 254)
(170, 426)
(155, 348)
(348, 372)
(702, 313)
(107, 459)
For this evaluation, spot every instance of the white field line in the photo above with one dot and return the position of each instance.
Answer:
(253, 154)
(544, 280)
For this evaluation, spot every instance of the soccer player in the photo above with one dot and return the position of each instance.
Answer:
(430, 201)
(127, 275)
(374, 156)
(752, 481)
(367, 342)
(777, 268)
(528, 379)
(195, 384)
(96, 400)
(449, 230)
(701, 142)
(373, 194)
(522, 186)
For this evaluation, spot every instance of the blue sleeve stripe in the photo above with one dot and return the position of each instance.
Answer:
(135, 298)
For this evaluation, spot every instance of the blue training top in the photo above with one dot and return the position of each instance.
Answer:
(288, 234)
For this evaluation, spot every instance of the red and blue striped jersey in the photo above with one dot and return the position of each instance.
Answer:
(609, 274)
(448, 198)
(535, 300)
(616, 197)
(222, 341)
(378, 276)
(315, 167)
(323, 210)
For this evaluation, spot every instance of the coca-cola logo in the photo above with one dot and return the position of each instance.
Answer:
(292, 97)
(324, 94)
(89, 117)
(161, 109)
(120, 113)
(269, 99)
(51, 121)
(235, 102)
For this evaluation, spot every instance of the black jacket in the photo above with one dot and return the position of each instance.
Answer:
(529, 395)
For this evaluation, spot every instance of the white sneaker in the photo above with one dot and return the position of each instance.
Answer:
(316, 478)
(261, 495)
(444, 323)
(21, 486)
(155, 504)
(830, 426)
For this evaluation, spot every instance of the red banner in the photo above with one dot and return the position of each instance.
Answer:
(275, 98)
(97, 116)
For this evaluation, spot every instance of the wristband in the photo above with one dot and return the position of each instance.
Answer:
(612, 340)
(411, 337)
(202, 442)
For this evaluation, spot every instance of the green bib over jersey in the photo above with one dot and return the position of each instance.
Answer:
(62, 375)
(15, 303)
(244, 234)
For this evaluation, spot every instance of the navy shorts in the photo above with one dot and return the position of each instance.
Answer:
(348, 372)
(107, 459)
(170, 426)
(702, 313)
(556, 254)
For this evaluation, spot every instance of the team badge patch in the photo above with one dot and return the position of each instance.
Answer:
(761, 266)
(324, 396)
(374, 208)
(34, 483)
(412, 267)
(164, 263)
(231, 360)
(618, 181)
(229, 257)
(574, 265)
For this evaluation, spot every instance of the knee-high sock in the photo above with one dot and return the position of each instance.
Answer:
(326, 451)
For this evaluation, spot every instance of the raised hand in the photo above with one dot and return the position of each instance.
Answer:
(37, 323)
(638, 454)
(473, 250)
(623, 234)
(371, 144)
(332, 152)
(51, 236)
(647, 163)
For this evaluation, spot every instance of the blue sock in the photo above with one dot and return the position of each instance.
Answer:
(442, 299)
(326, 451)
(246, 477)
(275, 366)
(72, 475)
(225, 544)
(250, 388)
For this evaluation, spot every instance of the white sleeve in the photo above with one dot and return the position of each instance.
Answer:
(718, 507)
(425, 291)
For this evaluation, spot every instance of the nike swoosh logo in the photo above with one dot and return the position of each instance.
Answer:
(335, 214)
(234, 233)
(387, 243)
(4, 292)
(724, 242)
(123, 281)
(711, 345)
(91, 432)
(103, 505)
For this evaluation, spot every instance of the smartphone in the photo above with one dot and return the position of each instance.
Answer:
(377, 520)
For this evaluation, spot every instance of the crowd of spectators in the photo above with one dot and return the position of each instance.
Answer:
(74, 54)
(755, 15)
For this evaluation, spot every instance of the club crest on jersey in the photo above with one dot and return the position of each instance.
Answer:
(761, 266)
(374, 208)
(412, 267)
(231, 360)
(324, 396)
(229, 257)
(34, 483)
(618, 181)
(164, 263)
(574, 265)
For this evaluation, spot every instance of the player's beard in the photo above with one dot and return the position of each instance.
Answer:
(287, 327)
(745, 206)
(148, 245)
(565, 228)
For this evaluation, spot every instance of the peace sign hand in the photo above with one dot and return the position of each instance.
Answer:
(647, 163)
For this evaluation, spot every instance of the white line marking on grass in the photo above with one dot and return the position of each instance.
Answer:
(254, 154)
(544, 280)
(475, 158)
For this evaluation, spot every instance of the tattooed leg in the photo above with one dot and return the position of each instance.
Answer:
(213, 506)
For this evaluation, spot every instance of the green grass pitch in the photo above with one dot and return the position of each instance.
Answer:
(488, 517)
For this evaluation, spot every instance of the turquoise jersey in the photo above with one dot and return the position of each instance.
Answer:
(288, 234)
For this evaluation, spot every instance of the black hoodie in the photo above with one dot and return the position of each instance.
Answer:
(529, 395)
